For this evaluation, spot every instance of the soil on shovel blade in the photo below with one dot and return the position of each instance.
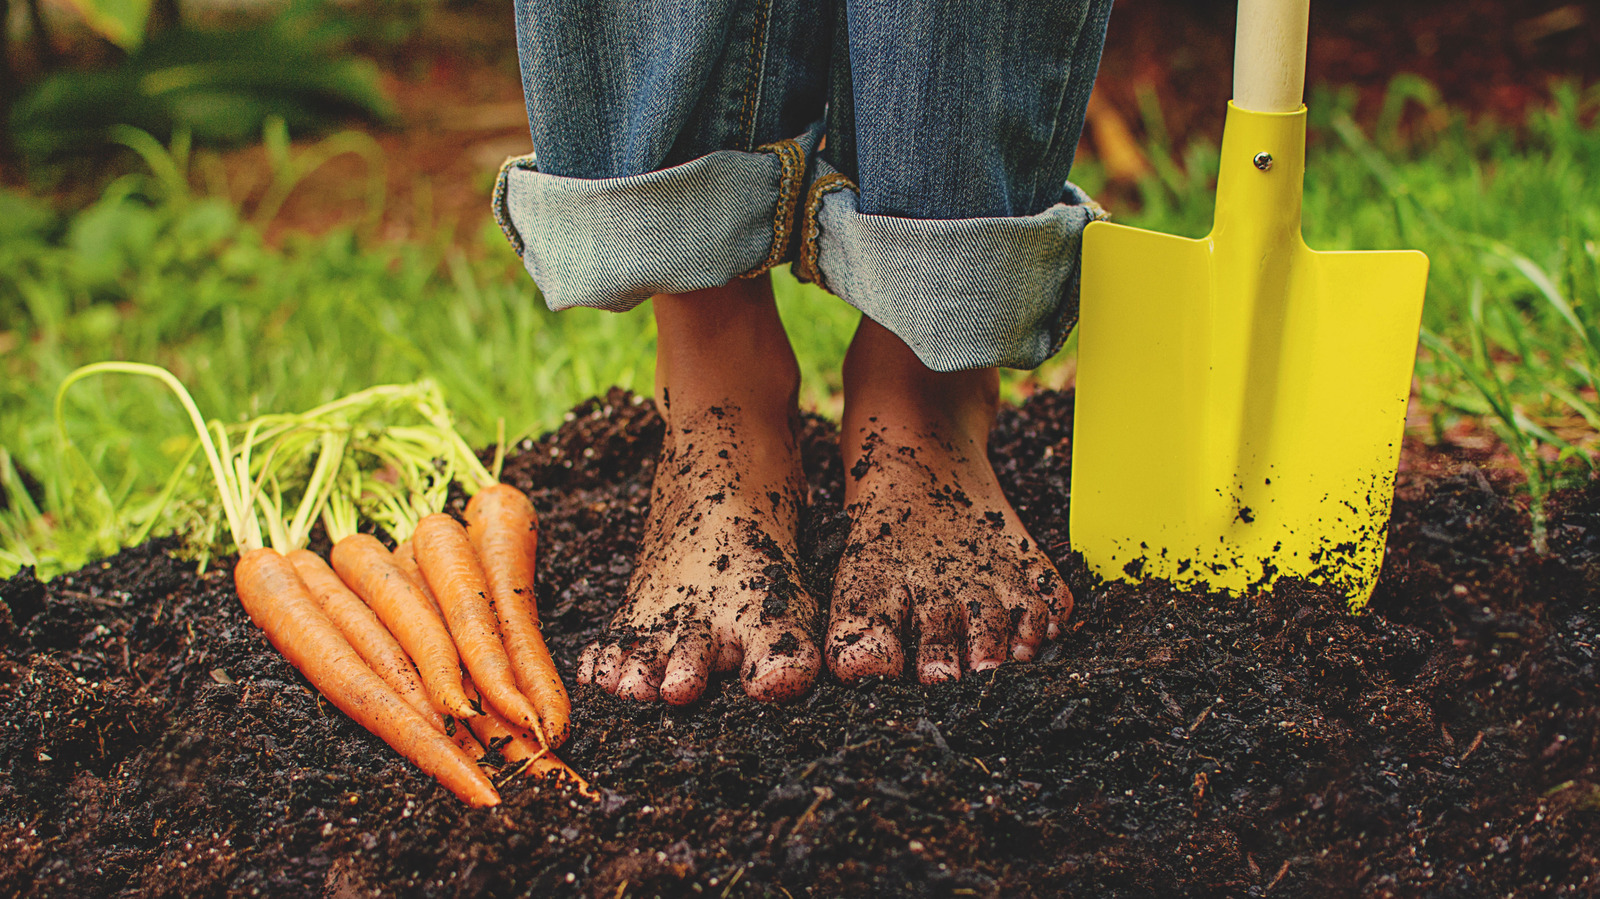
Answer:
(1444, 743)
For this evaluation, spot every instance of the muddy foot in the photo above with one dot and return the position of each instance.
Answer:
(715, 586)
(937, 567)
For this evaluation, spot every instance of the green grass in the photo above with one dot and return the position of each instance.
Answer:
(157, 272)
(153, 273)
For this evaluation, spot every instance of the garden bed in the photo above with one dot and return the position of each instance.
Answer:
(1447, 742)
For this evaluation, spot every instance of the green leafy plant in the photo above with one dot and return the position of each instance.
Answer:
(219, 87)
(268, 479)
(160, 271)
(1531, 356)
(1516, 362)
(122, 22)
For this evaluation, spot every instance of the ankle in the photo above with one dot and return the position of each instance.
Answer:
(884, 380)
(725, 346)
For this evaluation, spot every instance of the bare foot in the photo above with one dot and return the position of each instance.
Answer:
(715, 586)
(937, 562)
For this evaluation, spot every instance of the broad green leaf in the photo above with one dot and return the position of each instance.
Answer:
(121, 22)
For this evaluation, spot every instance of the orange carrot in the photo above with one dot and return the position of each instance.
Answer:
(548, 765)
(517, 749)
(489, 727)
(369, 570)
(280, 604)
(505, 532)
(373, 642)
(406, 557)
(444, 553)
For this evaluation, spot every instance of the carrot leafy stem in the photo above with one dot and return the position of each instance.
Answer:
(234, 502)
(389, 453)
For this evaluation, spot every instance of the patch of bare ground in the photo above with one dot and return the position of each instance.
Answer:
(1442, 743)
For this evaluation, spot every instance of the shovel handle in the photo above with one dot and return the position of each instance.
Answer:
(1269, 55)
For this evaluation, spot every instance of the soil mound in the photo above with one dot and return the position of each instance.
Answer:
(1444, 743)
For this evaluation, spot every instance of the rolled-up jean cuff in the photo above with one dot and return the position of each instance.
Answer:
(611, 243)
(962, 293)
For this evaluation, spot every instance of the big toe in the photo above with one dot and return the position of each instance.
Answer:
(780, 658)
(856, 651)
(781, 663)
(864, 633)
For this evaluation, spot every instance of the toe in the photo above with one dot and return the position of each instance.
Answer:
(608, 666)
(586, 663)
(1053, 590)
(938, 629)
(1032, 617)
(989, 628)
(728, 652)
(689, 663)
(864, 629)
(781, 659)
(641, 674)
(728, 656)
(781, 663)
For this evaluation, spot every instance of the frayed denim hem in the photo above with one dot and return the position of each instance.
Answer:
(612, 243)
(962, 293)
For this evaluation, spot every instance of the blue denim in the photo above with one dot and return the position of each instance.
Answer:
(910, 157)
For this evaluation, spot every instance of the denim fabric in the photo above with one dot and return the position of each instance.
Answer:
(962, 108)
(612, 243)
(623, 87)
(677, 147)
(962, 293)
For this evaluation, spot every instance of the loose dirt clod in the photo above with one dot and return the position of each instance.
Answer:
(1445, 743)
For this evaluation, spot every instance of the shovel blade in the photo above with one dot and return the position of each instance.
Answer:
(1239, 409)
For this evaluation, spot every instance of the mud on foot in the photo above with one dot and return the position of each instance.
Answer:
(937, 564)
(715, 586)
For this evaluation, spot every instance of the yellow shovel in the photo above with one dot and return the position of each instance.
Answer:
(1240, 398)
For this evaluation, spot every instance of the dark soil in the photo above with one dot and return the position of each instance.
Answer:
(1446, 743)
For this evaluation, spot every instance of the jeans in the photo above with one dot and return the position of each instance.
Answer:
(910, 157)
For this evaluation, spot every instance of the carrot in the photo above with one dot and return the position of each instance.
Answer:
(281, 605)
(505, 532)
(369, 570)
(373, 642)
(451, 569)
(497, 733)
(531, 758)
(490, 728)
(406, 557)
(548, 765)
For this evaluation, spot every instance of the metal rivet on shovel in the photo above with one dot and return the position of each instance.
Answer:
(1241, 398)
